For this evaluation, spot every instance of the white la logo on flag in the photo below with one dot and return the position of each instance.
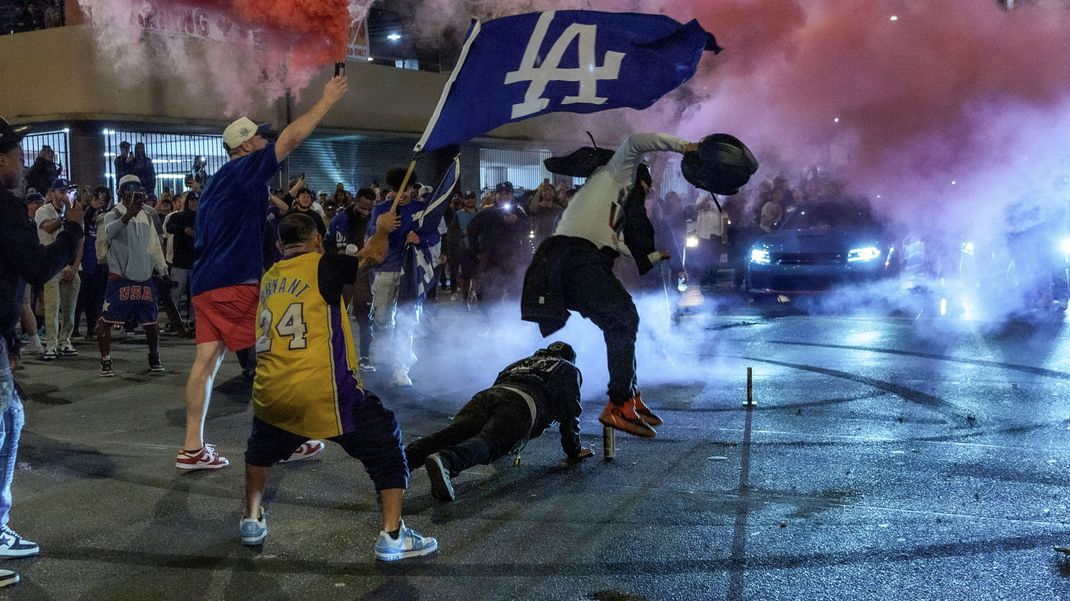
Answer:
(587, 74)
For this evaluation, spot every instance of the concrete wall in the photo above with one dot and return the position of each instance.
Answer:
(59, 75)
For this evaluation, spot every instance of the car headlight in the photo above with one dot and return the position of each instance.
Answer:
(759, 256)
(866, 253)
(692, 241)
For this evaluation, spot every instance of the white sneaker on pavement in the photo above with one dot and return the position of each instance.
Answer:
(205, 458)
(401, 379)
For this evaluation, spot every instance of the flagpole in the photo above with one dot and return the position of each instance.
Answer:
(377, 246)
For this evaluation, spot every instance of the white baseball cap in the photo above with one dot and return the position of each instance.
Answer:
(242, 131)
(129, 179)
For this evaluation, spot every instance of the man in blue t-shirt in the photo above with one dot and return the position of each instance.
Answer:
(228, 261)
(394, 325)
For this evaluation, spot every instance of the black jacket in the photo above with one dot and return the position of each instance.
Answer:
(554, 384)
(543, 298)
(638, 231)
(42, 174)
(21, 254)
(504, 244)
(181, 243)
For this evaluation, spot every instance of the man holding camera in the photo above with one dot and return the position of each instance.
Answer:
(61, 292)
(134, 251)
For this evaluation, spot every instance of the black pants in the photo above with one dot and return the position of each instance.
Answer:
(488, 426)
(595, 293)
(500, 282)
(359, 297)
(91, 298)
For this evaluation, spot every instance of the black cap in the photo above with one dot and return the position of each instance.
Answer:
(10, 137)
(504, 187)
(563, 350)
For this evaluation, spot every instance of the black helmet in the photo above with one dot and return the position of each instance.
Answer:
(721, 165)
(560, 349)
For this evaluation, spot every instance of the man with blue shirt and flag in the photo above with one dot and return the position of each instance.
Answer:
(229, 261)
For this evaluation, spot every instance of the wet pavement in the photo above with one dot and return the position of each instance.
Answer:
(886, 457)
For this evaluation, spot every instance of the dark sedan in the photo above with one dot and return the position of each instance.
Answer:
(820, 247)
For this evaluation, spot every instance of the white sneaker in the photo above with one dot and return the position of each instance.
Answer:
(13, 545)
(409, 543)
(307, 450)
(253, 531)
(401, 379)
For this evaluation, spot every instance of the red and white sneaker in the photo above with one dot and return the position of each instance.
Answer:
(306, 451)
(206, 458)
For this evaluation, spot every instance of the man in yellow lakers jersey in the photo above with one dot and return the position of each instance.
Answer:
(306, 385)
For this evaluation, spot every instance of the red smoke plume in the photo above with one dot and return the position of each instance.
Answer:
(261, 47)
(321, 27)
(920, 89)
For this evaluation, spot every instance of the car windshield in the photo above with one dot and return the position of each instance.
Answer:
(830, 216)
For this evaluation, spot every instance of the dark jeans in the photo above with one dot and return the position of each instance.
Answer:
(375, 442)
(359, 296)
(488, 426)
(91, 298)
(595, 293)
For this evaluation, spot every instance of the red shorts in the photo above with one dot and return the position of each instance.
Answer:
(228, 314)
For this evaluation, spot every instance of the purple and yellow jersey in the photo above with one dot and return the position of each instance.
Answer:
(306, 367)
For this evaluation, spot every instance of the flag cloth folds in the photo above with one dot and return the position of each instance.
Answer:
(576, 61)
(418, 267)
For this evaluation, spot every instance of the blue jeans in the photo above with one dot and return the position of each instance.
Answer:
(394, 324)
(11, 420)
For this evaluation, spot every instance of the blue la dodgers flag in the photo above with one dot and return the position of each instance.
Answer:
(418, 265)
(576, 61)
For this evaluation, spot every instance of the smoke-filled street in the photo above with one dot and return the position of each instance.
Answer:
(613, 300)
(900, 458)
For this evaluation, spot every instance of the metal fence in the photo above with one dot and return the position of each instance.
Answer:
(522, 168)
(172, 155)
(59, 141)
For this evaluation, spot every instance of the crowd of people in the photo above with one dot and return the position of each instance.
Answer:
(31, 15)
(270, 274)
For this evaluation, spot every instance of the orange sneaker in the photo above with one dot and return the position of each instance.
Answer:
(625, 419)
(645, 413)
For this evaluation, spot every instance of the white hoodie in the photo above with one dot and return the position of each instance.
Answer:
(595, 213)
(133, 248)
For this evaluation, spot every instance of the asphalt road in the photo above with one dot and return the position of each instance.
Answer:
(887, 458)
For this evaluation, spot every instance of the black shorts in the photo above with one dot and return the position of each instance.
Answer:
(375, 441)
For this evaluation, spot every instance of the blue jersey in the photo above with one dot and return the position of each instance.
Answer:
(228, 248)
(396, 241)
